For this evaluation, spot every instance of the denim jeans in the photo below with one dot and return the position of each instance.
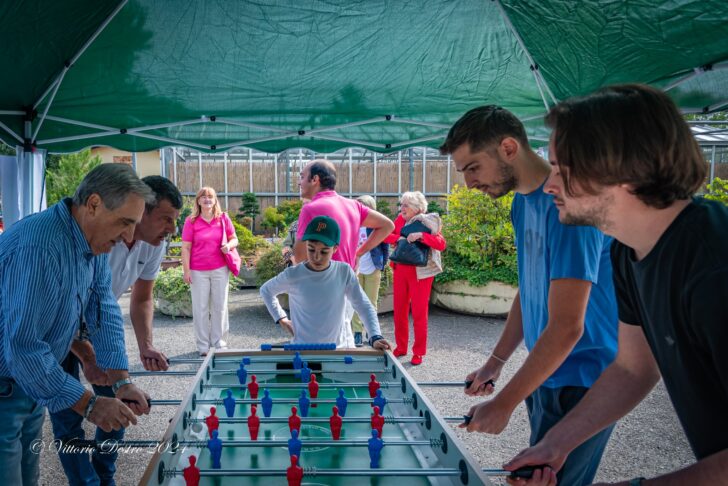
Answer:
(546, 406)
(22, 421)
(67, 425)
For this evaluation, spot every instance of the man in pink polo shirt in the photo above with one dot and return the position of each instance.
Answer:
(317, 183)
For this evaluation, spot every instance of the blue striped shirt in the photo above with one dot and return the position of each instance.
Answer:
(48, 277)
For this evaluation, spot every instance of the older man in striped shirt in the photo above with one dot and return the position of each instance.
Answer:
(55, 284)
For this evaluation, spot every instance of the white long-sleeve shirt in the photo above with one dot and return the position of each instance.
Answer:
(317, 302)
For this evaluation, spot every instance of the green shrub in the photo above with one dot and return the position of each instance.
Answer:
(63, 180)
(272, 219)
(171, 286)
(718, 191)
(247, 242)
(270, 264)
(290, 209)
(434, 207)
(384, 208)
(480, 239)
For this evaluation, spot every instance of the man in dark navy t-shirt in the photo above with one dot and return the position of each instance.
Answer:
(624, 160)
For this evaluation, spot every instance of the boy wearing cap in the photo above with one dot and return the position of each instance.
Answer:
(317, 289)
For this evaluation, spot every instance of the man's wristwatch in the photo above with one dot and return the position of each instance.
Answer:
(374, 339)
(636, 481)
(89, 407)
(124, 381)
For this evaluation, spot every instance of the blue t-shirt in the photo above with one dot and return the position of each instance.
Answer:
(549, 250)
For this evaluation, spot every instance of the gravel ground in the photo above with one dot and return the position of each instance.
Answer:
(648, 442)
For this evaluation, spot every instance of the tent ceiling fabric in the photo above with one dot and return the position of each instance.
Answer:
(326, 75)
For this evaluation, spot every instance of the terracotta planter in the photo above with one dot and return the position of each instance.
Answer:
(494, 299)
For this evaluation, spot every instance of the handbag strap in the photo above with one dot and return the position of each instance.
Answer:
(224, 229)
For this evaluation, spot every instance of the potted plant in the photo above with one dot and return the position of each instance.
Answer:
(480, 274)
(172, 294)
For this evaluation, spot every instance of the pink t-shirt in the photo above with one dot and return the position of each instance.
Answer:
(349, 214)
(206, 239)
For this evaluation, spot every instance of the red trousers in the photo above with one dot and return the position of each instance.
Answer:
(408, 290)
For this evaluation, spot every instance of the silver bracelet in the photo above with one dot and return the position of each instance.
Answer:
(498, 358)
(124, 381)
(89, 407)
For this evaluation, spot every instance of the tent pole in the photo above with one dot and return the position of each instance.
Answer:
(712, 165)
(422, 124)
(533, 65)
(12, 133)
(162, 165)
(411, 170)
(347, 125)
(227, 121)
(419, 140)
(73, 60)
(696, 72)
(449, 187)
(48, 105)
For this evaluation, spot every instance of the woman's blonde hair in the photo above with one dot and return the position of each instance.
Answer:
(416, 200)
(197, 210)
(367, 201)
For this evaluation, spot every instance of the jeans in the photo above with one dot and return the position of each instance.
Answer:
(67, 425)
(546, 406)
(22, 421)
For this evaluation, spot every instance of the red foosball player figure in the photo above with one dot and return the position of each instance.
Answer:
(253, 423)
(253, 387)
(335, 422)
(212, 421)
(192, 473)
(377, 421)
(294, 474)
(294, 421)
(313, 388)
(373, 386)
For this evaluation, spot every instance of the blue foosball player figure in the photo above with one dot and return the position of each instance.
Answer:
(342, 402)
(294, 444)
(215, 446)
(305, 373)
(242, 374)
(303, 404)
(297, 361)
(229, 402)
(380, 401)
(267, 403)
(375, 449)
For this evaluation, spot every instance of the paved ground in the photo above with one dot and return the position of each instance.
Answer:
(647, 442)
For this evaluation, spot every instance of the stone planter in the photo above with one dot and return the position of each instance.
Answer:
(247, 277)
(174, 309)
(386, 301)
(171, 262)
(494, 299)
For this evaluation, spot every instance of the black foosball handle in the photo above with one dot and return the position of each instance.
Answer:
(470, 382)
(526, 472)
(127, 402)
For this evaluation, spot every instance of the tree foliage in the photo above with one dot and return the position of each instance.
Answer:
(62, 181)
(718, 191)
(480, 238)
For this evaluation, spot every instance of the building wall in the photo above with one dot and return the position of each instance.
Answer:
(147, 163)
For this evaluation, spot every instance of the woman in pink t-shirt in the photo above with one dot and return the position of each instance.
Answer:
(205, 268)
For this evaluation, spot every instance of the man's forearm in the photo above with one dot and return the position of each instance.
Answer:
(549, 352)
(83, 350)
(377, 236)
(142, 314)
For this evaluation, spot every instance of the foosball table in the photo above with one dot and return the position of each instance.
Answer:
(307, 415)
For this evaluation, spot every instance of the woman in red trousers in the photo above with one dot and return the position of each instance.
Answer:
(412, 285)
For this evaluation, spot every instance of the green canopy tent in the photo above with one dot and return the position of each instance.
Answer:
(383, 75)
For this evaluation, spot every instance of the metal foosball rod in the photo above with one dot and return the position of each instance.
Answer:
(270, 359)
(278, 401)
(313, 472)
(252, 371)
(87, 445)
(315, 420)
(300, 386)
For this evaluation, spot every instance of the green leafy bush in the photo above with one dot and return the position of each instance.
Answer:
(171, 286)
(434, 207)
(480, 239)
(270, 264)
(247, 242)
(290, 209)
(63, 179)
(384, 208)
(272, 219)
(718, 191)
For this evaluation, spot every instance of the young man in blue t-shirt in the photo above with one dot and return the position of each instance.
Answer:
(565, 308)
